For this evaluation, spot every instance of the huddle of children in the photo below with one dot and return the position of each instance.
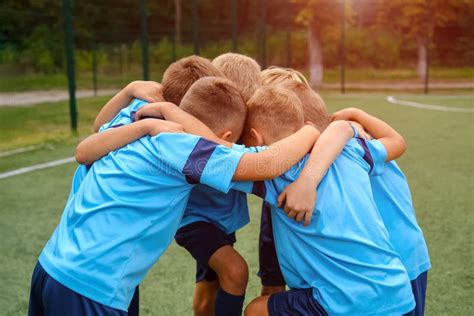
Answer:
(166, 164)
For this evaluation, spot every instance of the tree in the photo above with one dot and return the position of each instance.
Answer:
(416, 20)
(318, 16)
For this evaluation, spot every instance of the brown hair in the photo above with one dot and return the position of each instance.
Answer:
(275, 75)
(278, 111)
(242, 70)
(180, 75)
(314, 108)
(218, 103)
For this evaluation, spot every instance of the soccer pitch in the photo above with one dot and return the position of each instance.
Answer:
(438, 164)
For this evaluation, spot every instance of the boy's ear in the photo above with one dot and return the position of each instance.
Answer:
(257, 136)
(226, 135)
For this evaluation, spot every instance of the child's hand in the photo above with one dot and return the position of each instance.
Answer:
(151, 110)
(155, 127)
(348, 114)
(149, 91)
(362, 133)
(299, 199)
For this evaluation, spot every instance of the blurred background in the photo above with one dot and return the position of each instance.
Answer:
(409, 62)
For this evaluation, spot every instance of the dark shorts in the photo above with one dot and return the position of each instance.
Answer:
(418, 286)
(202, 240)
(49, 297)
(294, 302)
(269, 270)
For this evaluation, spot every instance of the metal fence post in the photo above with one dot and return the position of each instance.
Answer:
(70, 62)
(195, 13)
(343, 47)
(235, 26)
(94, 66)
(262, 40)
(144, 37)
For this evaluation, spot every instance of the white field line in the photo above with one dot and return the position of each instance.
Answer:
(40, 166)
(19, 150)
(393, 100)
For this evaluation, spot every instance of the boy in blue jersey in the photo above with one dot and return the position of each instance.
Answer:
(391, 194)
(207, 230)
(394, 202)
(128, 207)
(342, 262)
(210, 216)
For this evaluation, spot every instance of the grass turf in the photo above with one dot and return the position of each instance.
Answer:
(438, 164)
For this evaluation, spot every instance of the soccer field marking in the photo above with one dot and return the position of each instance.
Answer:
(40, 166)
(393, 100)
(19, 150)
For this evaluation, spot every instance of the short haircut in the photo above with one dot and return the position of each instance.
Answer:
(180, 75)
(275, 75)
(218, 103)
(242, 70)
(314, 108)
(277, 110)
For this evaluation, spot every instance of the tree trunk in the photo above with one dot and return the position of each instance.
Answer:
(422, 58)
(315, 56)
(177, 20)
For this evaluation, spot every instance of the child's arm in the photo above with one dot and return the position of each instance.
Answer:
(299, 198)
(393, 142)
(277, 158)
(149, 91)
(171, 112)
(268, 164)
(98, 145)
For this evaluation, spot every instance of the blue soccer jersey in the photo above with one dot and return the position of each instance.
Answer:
(126, 212)
(345, 254)
(228, 211)
(393, 198)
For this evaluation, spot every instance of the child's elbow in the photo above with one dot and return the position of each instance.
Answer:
(80, 156)
(401, 146)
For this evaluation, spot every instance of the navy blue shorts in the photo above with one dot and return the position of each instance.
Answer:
(51, 298)
(202, 240)
(294, 302)
(269, 270)
(418, 286)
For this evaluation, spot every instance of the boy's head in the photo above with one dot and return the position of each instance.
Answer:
(275, 75)
(218, 103)
(242, 70)
(180, 75)
(314, 108)
(273, 113)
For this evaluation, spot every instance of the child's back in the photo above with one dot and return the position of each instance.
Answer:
(393, 198)
(344, 254)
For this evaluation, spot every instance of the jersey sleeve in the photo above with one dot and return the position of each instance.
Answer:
(200, 160)
(375, 155)
(245, 149)
(125, 116)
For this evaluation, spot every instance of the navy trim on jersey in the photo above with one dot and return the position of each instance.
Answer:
(197, 160)
(116, 125)
(367, 155)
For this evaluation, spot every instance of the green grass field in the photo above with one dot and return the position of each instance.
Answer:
(438, 164)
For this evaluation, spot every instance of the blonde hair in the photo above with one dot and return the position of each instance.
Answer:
(180, 75)
(275, 75)
(314, 108)
(218, 103)
(242, 70)
(277, 110)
